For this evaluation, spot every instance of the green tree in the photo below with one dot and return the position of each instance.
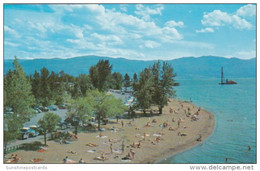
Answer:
(45, 92)
(79, 111)
(166, 85)
(99, 74)
(84, 83)
(144, 89)
(106, 105)
(18, 91)
(127, 82)
(116, 81)
(12, 124)
(135, 82)
(48, 124)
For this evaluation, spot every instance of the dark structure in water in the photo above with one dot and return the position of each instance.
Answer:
(227, 81)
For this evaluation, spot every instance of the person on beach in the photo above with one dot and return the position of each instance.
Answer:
(132, 153)
(101, 135)
(173, 120)
(200, 138)
(171, 110)
(154, 121)
(81, 161)
(249, 148)
(122, 123)
(179, 122)
(66, 159)
(127, 157)
(144, 136)
(171, 129)
(111, 148)
(123, 146)
(147, 124)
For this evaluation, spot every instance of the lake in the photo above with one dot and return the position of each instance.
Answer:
(234, 108)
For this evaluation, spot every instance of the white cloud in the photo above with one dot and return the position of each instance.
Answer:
(109, 39)
(205, 30)
(10, 44)
(219, 18)
(145, 12)
(11, 31)
(123, 7)
(247, 11)
(245, 54)
(173, 23)
(151, 44)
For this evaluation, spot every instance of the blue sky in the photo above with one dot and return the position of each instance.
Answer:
(133, 31)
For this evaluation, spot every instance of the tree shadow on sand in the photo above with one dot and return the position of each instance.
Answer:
(33, 146)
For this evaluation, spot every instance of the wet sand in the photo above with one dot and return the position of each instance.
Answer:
(172, 141)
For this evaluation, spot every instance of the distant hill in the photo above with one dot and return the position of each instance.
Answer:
(187, 67)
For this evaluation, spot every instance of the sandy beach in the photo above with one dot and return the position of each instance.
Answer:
(172, 139)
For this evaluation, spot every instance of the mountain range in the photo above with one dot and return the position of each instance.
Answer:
(186, 67)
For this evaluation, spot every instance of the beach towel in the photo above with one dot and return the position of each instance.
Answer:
(101, 137)
(117, 150)
(44, 148)
(91, 151)
(70, 161)
(37, 160)
(157, 135)
(40, 150)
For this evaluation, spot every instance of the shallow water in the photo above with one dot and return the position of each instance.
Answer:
(234, 108)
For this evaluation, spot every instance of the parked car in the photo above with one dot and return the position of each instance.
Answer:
(62, 106)
(43, 109)
(37, 110)
(64, 125)
(24, 134)
(35, 130)
(53, 107)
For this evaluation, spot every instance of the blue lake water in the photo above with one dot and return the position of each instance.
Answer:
(230, 139)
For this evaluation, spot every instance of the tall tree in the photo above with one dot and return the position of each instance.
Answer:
(127, 82)
(48, 124)
(18, 91)
(18, 97)
(99, 74)
(106, 105)
(135, 82)
(80, 110)
(143, 94)
(45, 87)
(84, 83)
(166, 84)
(116, 81)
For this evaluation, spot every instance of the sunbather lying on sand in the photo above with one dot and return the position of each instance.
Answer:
(102, 157)
(81, 161)
(36, 160)
(148, 124)
(127, 157)
(91, 145)
(181, 134)
(72, 152)
(172, 129)
(154, 121)
(113, 140)
(67, 160)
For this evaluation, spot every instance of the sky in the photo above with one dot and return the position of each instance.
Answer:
(132, 31)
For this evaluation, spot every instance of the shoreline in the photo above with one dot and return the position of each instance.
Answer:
(151, 151)
(188, 146)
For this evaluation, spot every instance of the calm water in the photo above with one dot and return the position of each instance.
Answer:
(230, 139)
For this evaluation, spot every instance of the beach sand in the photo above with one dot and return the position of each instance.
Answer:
(150, 151)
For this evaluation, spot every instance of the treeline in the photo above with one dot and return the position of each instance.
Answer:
(86, 94)
(57, 88)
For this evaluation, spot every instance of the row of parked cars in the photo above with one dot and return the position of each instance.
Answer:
(34, 131)
(40, 109)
